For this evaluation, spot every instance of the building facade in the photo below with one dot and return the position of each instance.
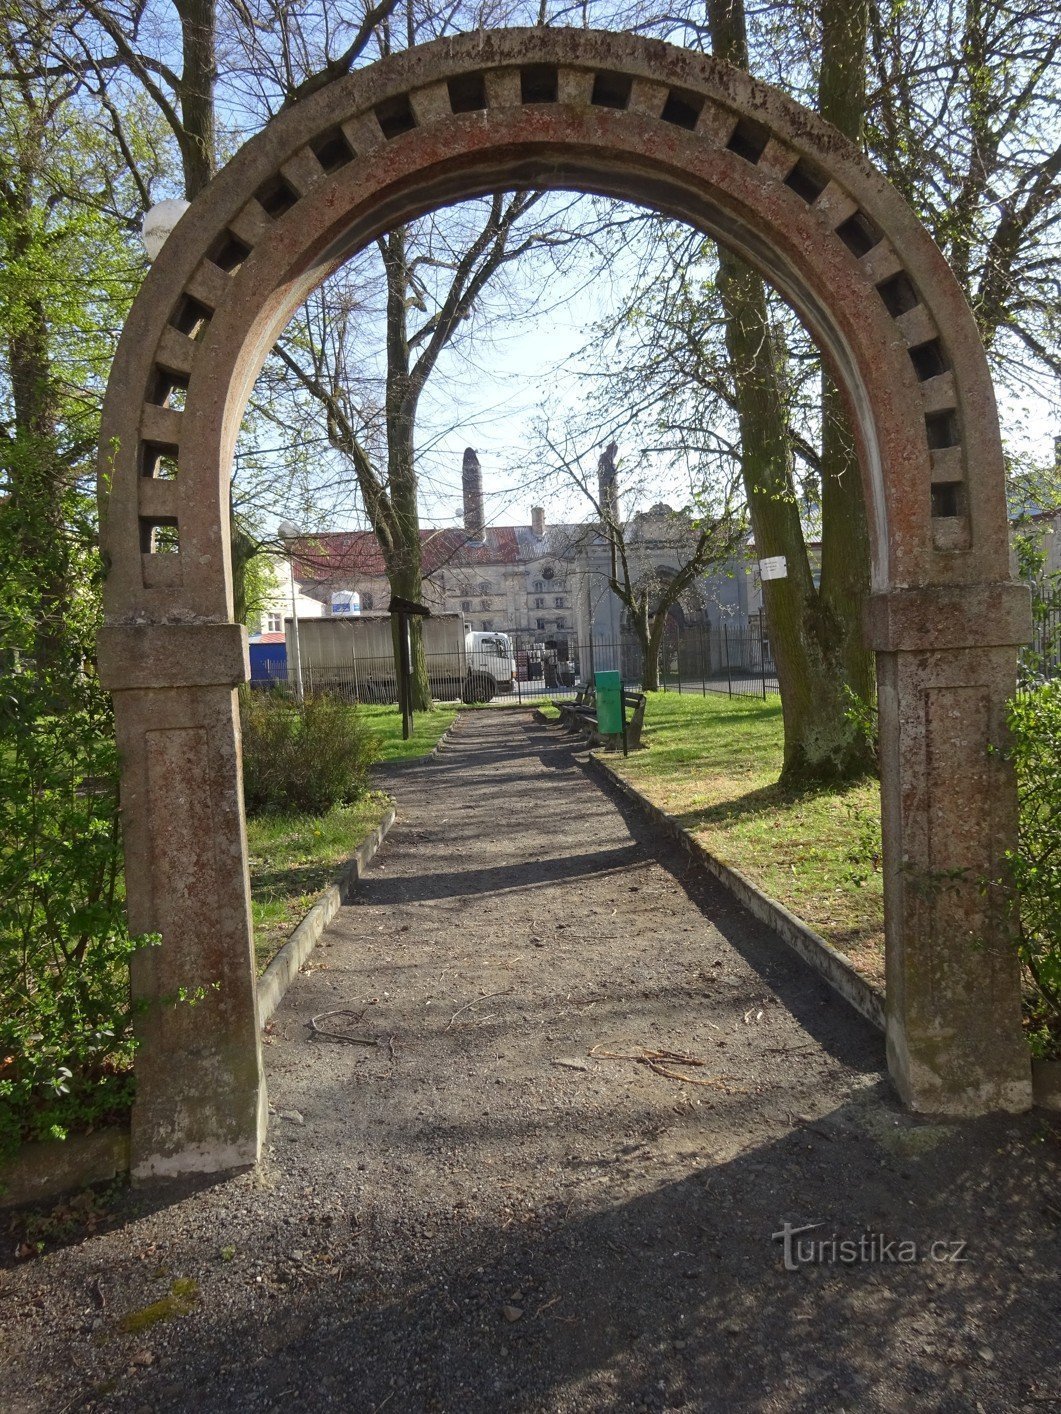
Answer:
(548, 586)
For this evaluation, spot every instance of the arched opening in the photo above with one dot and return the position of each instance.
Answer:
(626, 118)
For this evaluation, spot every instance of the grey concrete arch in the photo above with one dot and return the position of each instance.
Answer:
(634, 119)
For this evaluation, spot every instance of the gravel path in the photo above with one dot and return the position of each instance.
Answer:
(498, 1207)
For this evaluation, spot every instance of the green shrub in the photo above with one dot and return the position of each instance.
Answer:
(65, 1044)
(1035, 720)
(303, 760)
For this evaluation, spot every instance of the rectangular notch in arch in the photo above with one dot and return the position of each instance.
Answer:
(191, 317)
(467, 93)
(229, 252)
(748, 140)
(941, 429)
(898, 294)
(169, 389)
(158, 461)
(159, 535)
(806, 182)
(859, 234)
(332, 150)
(611, 90)
(948, 499)
(929, 360)
(276, 197)
(683, 109)
(538, 83)
(395, 116)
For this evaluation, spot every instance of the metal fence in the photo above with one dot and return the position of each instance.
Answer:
(698, 660)
(1041, 660)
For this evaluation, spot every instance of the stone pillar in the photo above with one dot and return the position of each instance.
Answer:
(946, 660)
(200, 1090)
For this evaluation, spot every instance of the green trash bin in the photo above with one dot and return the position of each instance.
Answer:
(609, 703)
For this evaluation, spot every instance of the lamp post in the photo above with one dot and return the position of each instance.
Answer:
(158, 223)
(287, 530)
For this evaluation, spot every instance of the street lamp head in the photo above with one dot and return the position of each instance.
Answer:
(287, 530)
(158, 223)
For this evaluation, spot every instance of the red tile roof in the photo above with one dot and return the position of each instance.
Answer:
(348, 554)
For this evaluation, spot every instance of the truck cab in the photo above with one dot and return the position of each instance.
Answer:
(491, 662)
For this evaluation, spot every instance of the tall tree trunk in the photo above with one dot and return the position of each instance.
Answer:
(198, 139)
(655, 646)
(404, 566)
(811, 635)
(845, 565)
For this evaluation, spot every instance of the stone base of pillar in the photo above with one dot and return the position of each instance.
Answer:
(200, 1089)
(210, 1138)
(945, 673)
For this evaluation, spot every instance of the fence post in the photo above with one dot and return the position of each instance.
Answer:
(725, 646)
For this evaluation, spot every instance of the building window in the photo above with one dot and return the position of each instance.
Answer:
(540, 623)
(558, 603)
(274, 623)
(539, 585)
(366, 603)
(484, 604)
(548, 572)
(487, 625)
(485, 587)
(539, 603)
(561, 623)
(466, 605)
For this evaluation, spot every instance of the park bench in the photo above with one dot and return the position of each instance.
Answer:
(573, 712)
(582, 716)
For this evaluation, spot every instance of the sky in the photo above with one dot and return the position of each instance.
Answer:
(491, 392)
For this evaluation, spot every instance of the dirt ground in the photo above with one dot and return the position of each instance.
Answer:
(498, 1207)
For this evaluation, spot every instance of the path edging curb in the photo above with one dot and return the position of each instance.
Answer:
(443, 740)
(283, 969)
(42, 1171)
(827, 961)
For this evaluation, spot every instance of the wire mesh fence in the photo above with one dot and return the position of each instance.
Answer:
(698, 660)
(1040, 661)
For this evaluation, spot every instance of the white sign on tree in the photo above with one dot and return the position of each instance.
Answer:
(773, 567)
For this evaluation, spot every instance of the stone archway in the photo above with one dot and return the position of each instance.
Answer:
(628, 118)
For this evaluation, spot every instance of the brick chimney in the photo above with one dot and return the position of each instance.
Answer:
(472, 478)
(538, 521)
(608, 483)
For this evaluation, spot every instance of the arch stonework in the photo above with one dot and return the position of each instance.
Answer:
(634, 119)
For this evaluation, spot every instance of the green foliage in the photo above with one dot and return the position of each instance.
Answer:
(1035, 721)
(64, 1034)
(303, 759)
(67, 272)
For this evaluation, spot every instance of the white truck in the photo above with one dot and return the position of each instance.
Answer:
(354, 657)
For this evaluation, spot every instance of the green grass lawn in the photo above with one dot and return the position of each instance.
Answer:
(713, 762)
(386, 724)
(293, 858)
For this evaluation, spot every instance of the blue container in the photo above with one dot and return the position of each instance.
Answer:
(268, 663)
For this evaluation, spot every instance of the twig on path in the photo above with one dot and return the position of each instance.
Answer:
(662, 1063)
(475, 1002)
(341, 1035)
